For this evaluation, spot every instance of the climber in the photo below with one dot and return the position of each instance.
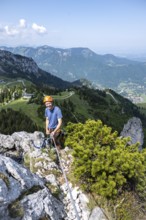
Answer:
(53, 116)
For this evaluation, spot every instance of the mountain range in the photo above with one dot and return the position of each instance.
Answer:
(77, 63)
(17, 66)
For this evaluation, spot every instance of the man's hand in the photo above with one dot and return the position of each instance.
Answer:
(52, 134)
(47, 131)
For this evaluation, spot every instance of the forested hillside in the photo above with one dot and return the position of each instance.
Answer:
(12, 121)
(78, 105)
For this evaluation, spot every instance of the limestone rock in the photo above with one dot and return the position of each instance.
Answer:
(28, 196)
(97, 214)
(133, 129)
(20, 188)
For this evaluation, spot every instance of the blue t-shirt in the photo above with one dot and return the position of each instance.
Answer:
(53, 116)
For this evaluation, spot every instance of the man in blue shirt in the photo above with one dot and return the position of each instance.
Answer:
(53, 116)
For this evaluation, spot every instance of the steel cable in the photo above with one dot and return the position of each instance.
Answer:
(66, 180)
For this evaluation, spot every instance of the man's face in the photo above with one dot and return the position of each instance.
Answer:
(49, 105)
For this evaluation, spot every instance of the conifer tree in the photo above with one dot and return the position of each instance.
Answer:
(103, 162)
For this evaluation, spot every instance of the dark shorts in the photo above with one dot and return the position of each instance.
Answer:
(59, 138)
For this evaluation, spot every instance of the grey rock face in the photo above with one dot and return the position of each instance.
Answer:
(19, 142)
(133, 129)
(26, 190)
(24, 195)
(6, 142)
(97, 214)
(42, 204)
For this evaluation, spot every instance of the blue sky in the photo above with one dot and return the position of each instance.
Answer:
(104, 26)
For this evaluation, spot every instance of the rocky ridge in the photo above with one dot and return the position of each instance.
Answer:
(24, 63)
(17, 66)
(34, 188)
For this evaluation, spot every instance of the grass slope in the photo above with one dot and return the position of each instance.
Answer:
(29, 109)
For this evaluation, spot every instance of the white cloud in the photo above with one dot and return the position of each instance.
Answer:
(23, 33)
(39, 29)
(22, 23)
(11, 30)
(22, 29)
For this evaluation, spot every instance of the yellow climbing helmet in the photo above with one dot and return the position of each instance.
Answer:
(48, 99)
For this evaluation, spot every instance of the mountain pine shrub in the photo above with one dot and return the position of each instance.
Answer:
(103, 162)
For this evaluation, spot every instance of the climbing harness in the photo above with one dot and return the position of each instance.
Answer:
(46, 142)
(66, 180)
